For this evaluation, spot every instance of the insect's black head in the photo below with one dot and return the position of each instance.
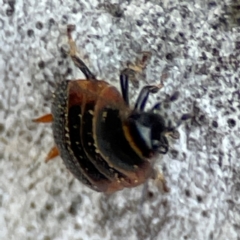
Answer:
(149, 131)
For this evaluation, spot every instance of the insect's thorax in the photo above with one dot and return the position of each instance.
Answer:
(146, 132)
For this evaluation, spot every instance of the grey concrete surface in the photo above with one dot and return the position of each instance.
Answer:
(195, 49)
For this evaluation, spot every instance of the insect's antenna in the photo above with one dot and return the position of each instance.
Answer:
(172, 98)
(183, 118)
(172, 131)
(70, 29)
(156, 107)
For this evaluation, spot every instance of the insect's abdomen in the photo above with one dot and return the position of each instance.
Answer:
(88, 132)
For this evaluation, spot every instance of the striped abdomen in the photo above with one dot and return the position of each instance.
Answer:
(91, 132)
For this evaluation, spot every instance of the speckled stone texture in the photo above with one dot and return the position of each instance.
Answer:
(195, 49)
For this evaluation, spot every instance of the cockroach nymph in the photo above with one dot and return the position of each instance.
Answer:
(106, 144)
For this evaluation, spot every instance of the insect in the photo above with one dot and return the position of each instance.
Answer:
(105, 143)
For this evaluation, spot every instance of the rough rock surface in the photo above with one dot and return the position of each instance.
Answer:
(195, 49)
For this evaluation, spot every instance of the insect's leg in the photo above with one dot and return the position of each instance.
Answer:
(140, 63)
(143, 198)
(130, 72)
(172, 98)
(73, 54)
(173, 133)
(160, 181)
(156, 107)
(124, 82)
(44, 119)
(133, 69)
(143, 96)
(52, 154)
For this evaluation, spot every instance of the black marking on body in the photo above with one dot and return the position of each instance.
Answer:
(89, 145)
(139, 141)
(155, 130)
(112, 142)
(74, 124)
(59, 108)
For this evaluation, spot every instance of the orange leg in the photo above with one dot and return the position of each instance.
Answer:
(160, 181)
(52, 154)
(47, 119)
(44, 119)
(73, 54)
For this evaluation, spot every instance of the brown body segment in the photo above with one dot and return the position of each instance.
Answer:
(85, 94)
(61, 135)
(91, 95)
(122, 171)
